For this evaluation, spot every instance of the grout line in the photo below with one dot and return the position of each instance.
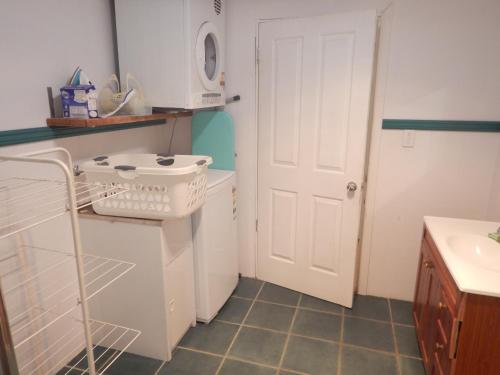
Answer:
(239, 330)
(289, 334)
(327, 312)
(378, 320)
(403, 325)
(321, 339)
(235, 359)
(386, 322)
(244, 360)
(295, 371)
(227, 322)
(250, 362)
(287, 340)
(264, 365)
(276, 303)
(341, 343)
(410, 356)
(244, 298)
(280, 332)
(344, 344)
(201, 351)
(393, 330)
(373, 350)
(161, 366)
(258, 327)
(266, 329)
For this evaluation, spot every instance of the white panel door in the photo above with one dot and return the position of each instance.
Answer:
(315, 79)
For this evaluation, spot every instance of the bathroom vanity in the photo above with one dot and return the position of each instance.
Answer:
(457, 298)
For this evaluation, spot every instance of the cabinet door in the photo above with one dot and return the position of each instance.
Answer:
(421, 305)
(431, 330)
(422, 291)
(436, 367)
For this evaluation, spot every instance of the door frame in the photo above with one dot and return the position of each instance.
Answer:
(374, 132)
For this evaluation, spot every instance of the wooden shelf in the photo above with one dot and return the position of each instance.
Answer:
(114, 120)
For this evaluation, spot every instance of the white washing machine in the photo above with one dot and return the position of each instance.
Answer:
(175, 48)
(215, 245)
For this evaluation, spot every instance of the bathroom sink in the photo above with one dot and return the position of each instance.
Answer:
(472, 258)
(478, 250)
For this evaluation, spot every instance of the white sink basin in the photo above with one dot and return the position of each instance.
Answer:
(472, 258)
(478, 250)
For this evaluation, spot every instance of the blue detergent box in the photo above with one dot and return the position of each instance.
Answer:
(79, 101)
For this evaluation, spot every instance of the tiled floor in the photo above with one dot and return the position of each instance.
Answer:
(265, 329)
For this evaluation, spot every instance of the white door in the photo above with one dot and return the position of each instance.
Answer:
(315, 79)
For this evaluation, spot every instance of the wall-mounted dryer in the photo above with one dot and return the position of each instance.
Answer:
(175, 48)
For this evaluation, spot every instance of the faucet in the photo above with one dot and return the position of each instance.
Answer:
(495, 236)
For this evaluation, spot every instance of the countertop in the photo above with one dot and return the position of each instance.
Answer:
(469, 277)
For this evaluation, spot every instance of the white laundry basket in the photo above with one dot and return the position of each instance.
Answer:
(159, 187)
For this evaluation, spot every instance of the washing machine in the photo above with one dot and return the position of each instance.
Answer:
(215, 245)
(175, 49)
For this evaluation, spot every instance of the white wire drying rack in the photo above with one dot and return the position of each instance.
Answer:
(105, 336)
(25, 203)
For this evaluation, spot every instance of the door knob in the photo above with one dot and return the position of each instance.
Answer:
(352, 186)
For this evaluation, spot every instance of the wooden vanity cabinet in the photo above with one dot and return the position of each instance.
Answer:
(458, 333)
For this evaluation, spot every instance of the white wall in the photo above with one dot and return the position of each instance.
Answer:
(446, 174)
(41, 44)
(152, 139)
(438, 61)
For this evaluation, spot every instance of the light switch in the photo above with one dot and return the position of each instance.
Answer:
(408, 138)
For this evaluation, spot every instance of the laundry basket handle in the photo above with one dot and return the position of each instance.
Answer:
(200, 163)
(125, 167)
(126, 171)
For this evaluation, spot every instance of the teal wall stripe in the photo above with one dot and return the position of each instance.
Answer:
(446, 125)
(19, 136)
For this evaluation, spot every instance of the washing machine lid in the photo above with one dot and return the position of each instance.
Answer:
(208, 56)
(217, 176)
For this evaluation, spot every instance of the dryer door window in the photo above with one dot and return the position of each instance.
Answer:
(208, 56)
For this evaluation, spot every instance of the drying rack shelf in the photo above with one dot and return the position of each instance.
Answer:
(40, 288)
(110, 341)
(53, 297)
(26, 202)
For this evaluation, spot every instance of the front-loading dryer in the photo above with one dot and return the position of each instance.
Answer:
(175, 48)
